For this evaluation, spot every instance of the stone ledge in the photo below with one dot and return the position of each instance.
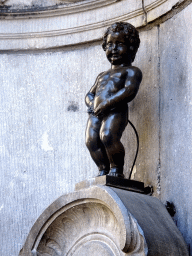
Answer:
(62, 28)
(17, 12)
(73, 24)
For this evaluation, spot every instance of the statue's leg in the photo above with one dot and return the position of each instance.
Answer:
(95, 146)
(110, 133)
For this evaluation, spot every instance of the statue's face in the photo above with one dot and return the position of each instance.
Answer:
(116, 49)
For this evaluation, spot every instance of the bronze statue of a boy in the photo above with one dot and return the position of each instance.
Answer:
(107, 99)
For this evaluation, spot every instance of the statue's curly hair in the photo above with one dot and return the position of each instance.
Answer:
(131, 36)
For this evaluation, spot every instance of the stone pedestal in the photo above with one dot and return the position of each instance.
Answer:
(104, 221)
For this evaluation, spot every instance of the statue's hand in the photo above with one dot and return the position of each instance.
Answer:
(101, 108)
(90, 110)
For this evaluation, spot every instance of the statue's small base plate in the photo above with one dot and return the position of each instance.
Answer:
(107, 180)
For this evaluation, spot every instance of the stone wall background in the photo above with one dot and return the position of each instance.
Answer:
(43, 120)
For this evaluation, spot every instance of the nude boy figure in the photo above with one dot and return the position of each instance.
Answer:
(107, 99)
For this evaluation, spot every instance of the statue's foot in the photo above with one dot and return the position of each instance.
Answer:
(115, 172)
(103, 172)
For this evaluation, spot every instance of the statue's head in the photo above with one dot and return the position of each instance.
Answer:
(124, 33)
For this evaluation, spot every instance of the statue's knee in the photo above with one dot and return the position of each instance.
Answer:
(106, 138)
(91, 143)
(88, 142)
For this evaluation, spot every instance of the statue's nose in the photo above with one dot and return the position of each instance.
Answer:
(114, 46)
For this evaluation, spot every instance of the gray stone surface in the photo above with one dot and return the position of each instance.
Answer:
(161, 234)
(144, 114)
(108, 222)
(37, 3)
(176, 121)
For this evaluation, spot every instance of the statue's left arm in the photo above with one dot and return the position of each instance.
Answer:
(126, 94)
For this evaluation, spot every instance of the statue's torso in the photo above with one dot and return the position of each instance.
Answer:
(109, 83)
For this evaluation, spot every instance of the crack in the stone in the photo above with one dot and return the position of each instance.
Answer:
(178, 7)
(145, 12)
(159, 85)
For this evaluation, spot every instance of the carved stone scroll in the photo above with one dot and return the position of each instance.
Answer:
(105, 221)
(84, 222)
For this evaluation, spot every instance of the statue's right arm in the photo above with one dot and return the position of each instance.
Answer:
(89, 98)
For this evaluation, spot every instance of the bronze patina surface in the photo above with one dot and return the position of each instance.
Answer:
(107, 99)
